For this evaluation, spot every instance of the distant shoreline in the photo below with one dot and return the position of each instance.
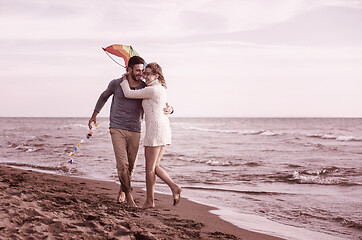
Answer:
(178, 117)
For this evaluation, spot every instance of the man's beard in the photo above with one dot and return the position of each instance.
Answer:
(135, 78)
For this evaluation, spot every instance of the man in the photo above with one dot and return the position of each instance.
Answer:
(125, 125)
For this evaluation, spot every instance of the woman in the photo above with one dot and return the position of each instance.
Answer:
(158, 131)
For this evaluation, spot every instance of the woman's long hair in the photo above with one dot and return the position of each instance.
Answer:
(156, 69)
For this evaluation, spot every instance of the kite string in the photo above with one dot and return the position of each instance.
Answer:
(75, 148)
(113, 59)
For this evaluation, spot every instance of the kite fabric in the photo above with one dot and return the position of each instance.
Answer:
(123, 51)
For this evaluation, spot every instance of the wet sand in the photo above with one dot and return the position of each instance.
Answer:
(37, 205)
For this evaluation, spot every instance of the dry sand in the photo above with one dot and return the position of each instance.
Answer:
(37, 205)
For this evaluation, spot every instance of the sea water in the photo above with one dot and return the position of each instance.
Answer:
(298, 178)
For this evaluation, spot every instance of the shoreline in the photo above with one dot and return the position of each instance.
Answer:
(45, 205)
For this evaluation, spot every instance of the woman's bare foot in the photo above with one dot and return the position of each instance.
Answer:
(176, 193)
(148, 205)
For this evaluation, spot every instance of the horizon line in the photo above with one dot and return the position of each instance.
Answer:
(191, 117)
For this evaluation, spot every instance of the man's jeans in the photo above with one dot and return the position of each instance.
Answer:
(125, 146)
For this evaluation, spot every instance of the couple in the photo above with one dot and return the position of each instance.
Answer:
(131, 98)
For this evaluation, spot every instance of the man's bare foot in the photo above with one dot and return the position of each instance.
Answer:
(148, 205)
(132, 204)
(130, 201)
(121, 197)
(176, 193)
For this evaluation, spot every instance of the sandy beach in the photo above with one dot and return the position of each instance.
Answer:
(37, 205)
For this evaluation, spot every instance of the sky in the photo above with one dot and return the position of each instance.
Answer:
(232, 58)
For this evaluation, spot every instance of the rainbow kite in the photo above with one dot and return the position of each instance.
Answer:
(123, 51)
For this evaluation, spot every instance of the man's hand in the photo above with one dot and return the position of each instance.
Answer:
(93, 119)
(168, 109)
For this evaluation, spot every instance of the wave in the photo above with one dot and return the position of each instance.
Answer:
(60, 169)
(34, 144)
(40, 138)
(241, 132)
(294, 166)
(269, 133)
(233, 190)
(303, 178)
(47, 168)
(320, 215)
(320, 146)
(216, 162)
(27, 147)
(333, 137)
(327, 176)
(252, 164)
(348, 223)
(210, 162)
(73, 126)
(171, 154)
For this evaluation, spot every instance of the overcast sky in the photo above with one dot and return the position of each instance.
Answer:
(233, 58)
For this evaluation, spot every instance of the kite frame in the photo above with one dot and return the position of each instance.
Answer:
(112, 58)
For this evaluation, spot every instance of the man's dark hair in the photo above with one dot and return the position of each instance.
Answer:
(135, 60)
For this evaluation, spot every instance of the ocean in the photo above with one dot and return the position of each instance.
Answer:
(297, 178)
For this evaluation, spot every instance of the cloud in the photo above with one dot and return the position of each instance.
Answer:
(231, 58)
(322, 26)
(157, 20)
(40, 19)
(199, 22)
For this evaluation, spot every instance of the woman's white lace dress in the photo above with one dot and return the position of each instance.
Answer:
(158, 131)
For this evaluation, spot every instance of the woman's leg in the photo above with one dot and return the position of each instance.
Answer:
(161, 173)
(151, 154)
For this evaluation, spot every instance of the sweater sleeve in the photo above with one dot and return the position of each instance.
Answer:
(143, 93)
(105, 95)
